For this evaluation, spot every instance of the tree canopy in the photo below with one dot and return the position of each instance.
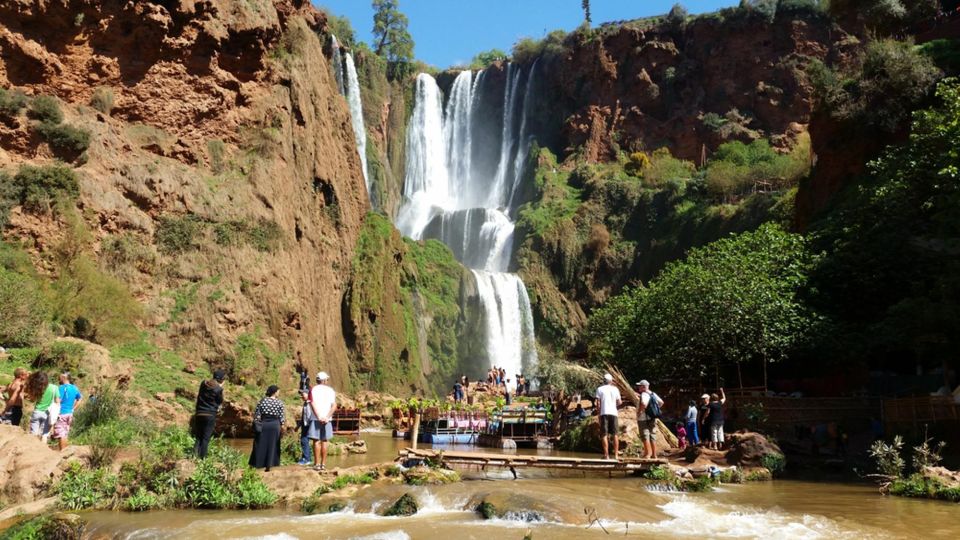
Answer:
(390, 35)
(732, 301)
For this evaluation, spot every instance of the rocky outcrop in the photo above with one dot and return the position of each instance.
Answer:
(223, 113)
(28, 467)
(751, 450)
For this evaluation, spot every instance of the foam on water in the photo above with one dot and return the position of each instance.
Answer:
(389, 535)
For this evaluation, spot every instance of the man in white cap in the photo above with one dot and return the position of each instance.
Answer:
(323, 402)
(609, 397)
(647, 414)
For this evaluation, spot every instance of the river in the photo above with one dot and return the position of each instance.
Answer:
(625, 506)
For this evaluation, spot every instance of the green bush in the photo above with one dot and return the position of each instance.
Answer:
(775, 463)
(91, 304)
(60, 356)
(40, 189)
(527, 50)
(102, 99)
(171, 443)
(81, 488)
(252, 492)
(46, 109)
(178, 234)
(266, 235)
(64, 137)
(25, 309)
(207, 487)
(12, 102)
(141, 501)
(107, 439)
(101, 407)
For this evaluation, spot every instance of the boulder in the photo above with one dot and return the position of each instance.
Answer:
(58, 526)
(515, 506)
(750, 450)
(942, 475)
(406, 505)
(235, 420)
(28, 466)
(422, 476)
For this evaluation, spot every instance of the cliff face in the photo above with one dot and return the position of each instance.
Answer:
(225, 120)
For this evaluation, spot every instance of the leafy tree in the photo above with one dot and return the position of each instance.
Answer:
(585, 4)
(341, 27)
(891, 274)
(393, 41)
(890, 80)
(885, 17)
(735, 300)
(484, 59)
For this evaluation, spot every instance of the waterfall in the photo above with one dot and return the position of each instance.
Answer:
(356, 114)
(445, 198)
(337, 64)
(345, 73)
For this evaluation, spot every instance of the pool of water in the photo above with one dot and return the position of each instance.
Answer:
(570, 508)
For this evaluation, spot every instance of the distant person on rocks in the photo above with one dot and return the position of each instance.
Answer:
(69, 398)
(209, 400)
(506, 392)
(268, 420)
(609, 397)
(702, 418)
(323, 403)
(691, 423)
(306, 419)
(714, 419)
(503, 376)
(647, 414)
(458, 391)
(13, 404)
(45, 395)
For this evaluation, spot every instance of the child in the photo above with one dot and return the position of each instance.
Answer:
(681, 435)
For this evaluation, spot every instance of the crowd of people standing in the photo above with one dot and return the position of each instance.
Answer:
(705, 417)
(54, 404)
(269, 417)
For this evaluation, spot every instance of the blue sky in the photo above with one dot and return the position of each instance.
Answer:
(448, 32)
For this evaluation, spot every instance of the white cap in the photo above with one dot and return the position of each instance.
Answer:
(322, 376)
(608, 377)
(643, 383)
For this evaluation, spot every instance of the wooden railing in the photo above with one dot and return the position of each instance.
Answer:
(920, 410)
(346, 422)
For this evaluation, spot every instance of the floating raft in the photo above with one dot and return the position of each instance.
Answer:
(532, 466)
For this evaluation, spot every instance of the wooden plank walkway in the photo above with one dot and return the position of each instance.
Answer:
(513, 463)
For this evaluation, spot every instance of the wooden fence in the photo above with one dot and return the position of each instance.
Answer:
(915, 411)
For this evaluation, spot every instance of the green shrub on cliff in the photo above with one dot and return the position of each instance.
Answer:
(44, 188)
(12, 102)
(45, 109)
(176, 234)
(737, 168)
(65, 138)
(25, 309)
(527, 50)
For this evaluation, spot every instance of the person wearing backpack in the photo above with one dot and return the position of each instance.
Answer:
(647, 415)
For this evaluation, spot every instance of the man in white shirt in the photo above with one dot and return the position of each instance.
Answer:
(323, 403)
(647, 419)
(608, 396)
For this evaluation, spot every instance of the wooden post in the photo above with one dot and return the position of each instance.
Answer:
(416, 429)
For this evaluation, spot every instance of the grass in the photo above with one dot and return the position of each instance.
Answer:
(156, 370)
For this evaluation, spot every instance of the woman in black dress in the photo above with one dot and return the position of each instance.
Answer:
(266, 445)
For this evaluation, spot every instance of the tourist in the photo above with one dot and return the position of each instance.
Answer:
(465, 382)
(490, 378)
(691, 427)
(45, 395)
(69, 398)
(714, 419)
(13, 406)
(458, 391)
(609, 397)
(209, 400)
(702, 417)
(268, 419)
(506, 392)
(323, 403)
(647, 415)
(681, 435)
(306, 418)
(503, 376)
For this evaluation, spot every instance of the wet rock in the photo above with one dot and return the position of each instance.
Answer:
(406, 505)
(422, 476)
(514, 507)
(54, 526)
(324, 504)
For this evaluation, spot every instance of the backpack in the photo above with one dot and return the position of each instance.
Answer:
(653, 408)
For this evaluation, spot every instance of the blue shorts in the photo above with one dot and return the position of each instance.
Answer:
(318, 431)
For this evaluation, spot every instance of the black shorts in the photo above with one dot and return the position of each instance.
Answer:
(608, 424)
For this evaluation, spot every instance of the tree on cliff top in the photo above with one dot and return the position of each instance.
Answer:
(393, 41)
(585, 4)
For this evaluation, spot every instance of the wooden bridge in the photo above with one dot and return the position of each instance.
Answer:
(532, 466)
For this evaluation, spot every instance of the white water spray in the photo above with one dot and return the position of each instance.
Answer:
(345, 72)
(445, 198)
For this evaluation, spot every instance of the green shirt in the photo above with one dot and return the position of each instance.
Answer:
(47, 399)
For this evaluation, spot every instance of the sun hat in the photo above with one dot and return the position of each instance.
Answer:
(643, 383)
(608, 377)
(322, 376)
(705, 396)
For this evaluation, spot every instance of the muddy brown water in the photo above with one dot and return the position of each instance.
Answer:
(566, 509)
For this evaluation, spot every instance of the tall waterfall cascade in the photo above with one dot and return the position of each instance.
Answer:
(345, 73)
(449, 196)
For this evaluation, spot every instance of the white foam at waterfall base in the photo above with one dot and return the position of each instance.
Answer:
(388, 535)
(356, 115)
